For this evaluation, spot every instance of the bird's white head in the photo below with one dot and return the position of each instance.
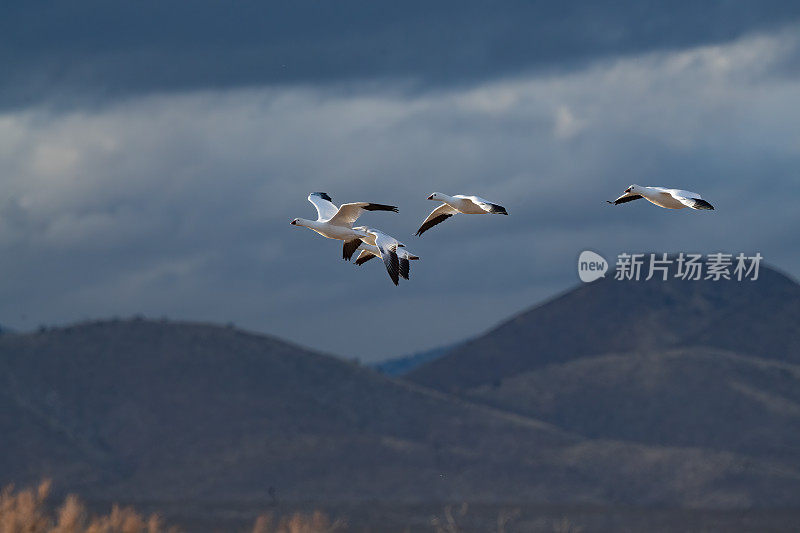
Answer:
(295, 222)
(633, 189)
(435, 196)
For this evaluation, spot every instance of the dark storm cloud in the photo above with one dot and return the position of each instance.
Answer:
(179, 204)
(84, 50)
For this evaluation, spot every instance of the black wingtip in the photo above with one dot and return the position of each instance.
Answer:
(702, 204)
(431, 223)
(323, 195)
(349, 248)
(381, 207)
(498, 209)
(392, 263)
(405, 268)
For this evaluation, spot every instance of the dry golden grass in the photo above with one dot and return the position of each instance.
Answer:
(27, 511)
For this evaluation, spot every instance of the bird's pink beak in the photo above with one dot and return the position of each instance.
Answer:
(293, 223)
(430, 197)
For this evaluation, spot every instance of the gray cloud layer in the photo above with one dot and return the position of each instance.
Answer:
(88, 49)
(179, 204)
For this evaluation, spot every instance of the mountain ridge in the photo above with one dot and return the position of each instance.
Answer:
(163, 411)
(608, 316)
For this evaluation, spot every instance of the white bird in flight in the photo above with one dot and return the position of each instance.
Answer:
(667, 198)
(387, 248)
(470, 205)
(337, 222)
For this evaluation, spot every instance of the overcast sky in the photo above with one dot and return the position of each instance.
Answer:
(152, 157)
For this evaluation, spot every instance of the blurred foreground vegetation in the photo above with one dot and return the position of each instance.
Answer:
(28, 511)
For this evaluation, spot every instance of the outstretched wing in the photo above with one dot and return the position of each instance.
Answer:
(324, 204)
(437, 216)
(349, 213)
(625, 198)
(364, 256)
(484, 204)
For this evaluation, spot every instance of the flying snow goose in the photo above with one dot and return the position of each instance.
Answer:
(337, 222)
(387, 247)
(668, 198)
(470, 205)
(404, 256)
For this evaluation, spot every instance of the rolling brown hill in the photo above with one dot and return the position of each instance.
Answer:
(165, 409)
(134, 410)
